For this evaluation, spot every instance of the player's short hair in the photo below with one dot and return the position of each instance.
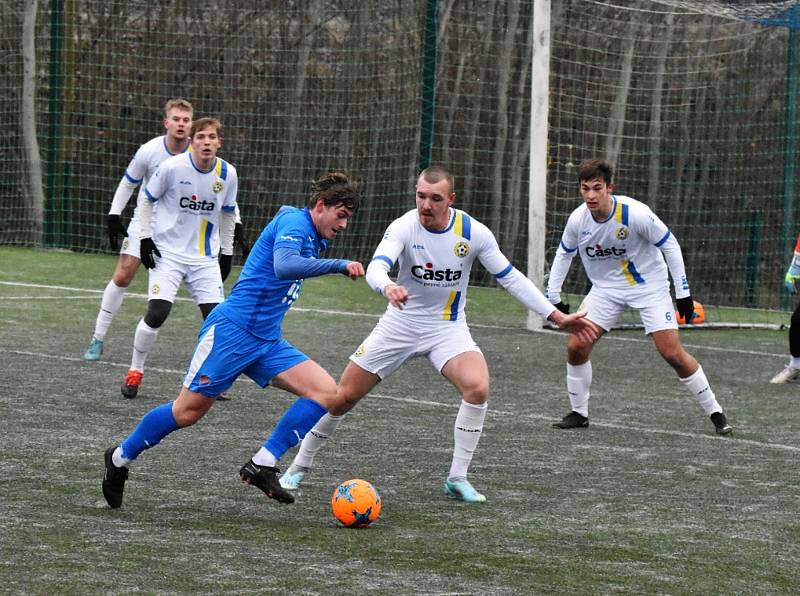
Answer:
(177, 102)
(434, 174)
(336, 188)
(203, 123)
(591, 169)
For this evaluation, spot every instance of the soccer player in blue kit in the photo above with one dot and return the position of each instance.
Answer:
(242, 335)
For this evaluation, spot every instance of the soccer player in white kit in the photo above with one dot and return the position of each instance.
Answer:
(177, 122)
(625, 250)
(434, 247)
(192, 226)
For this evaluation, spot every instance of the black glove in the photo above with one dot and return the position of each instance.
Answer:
(240, 240)
(685, 308)
(148, 252)
(115, 228)
(562, 307)
(225, 265)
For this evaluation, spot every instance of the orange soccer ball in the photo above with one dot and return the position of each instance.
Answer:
(698, 317)
(356, 503)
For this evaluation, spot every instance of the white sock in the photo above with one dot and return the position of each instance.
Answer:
(697, 384)
(143, 340)
(264, 457)
(118, 459)
(795, 362)
(579, 379)
(466, 434)
(315, 439)
(112, 300)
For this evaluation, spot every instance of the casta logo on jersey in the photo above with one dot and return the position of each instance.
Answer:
(430, 274)
(598, 252)
(192, 204)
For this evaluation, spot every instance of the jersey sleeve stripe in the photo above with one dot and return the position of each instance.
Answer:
(450, 312)
(664, 239)
(149, 196)
(221, 169)
(505, 271)
(131, 178)
(385, 259)
(463, 225)
(621, 214)
(566, 248)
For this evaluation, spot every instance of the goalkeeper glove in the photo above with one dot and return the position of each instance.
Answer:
(562, 307)
(792, 275)
(115, 229)
(240, 240)
(225, 265)
(148, 252)
(685, 308)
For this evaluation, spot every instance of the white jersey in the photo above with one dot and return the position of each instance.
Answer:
(139, 171)
(186, 222)
(434, 267)
(624, 251)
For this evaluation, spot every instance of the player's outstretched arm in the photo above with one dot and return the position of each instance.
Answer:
(290, 264)
(577, 324)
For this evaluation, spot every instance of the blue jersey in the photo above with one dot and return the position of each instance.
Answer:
(260, 299)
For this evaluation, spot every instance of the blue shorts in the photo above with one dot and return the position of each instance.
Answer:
(224, 351)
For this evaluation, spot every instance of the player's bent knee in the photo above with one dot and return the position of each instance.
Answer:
(157, 313)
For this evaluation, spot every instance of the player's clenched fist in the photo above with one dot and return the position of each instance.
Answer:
(354, 270)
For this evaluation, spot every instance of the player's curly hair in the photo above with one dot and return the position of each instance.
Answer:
(590, 169)
(336, 188)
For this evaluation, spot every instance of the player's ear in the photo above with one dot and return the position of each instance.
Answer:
(611, 187)
(452, 198)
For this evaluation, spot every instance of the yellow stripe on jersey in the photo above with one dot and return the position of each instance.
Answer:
(450, 312)
(626, 272)
(462, 226)
(201, 237)
(630, 273)
(621, 213)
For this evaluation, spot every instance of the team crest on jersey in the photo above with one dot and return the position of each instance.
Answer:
(217, 186)
(156, 289)
(622, 233)
(360, 351)
(461, 249)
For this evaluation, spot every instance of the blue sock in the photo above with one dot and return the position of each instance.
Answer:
(154, 426)
(301, 417)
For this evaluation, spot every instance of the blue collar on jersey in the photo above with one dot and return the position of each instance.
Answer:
(194, 165)
(613, 210)
(166, 147)
(458, 220)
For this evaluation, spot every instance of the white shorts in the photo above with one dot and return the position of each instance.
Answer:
(394, 341)
(605, 306)
(130, 244)
(204, 282)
